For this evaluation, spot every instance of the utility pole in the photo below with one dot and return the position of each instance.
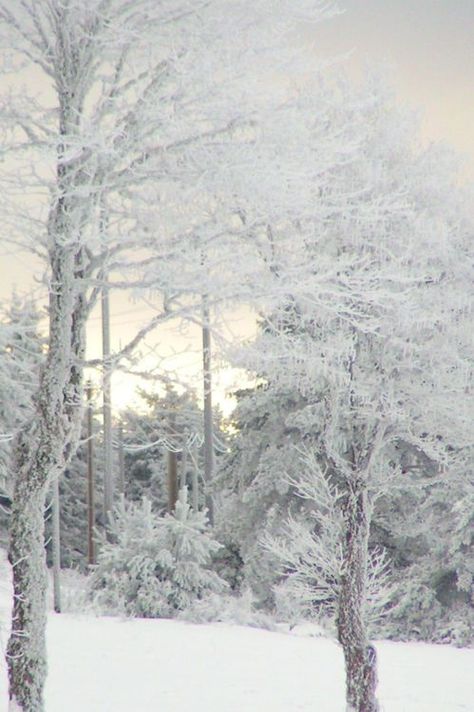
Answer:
(195, 478)
(184, 463)
(56, 544)
(172, 480)
(207, 396)
(121, 460)
(107, 404)
(172, 465)
(90, 479)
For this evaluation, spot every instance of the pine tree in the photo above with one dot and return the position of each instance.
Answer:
(156, 566)
(22, 354)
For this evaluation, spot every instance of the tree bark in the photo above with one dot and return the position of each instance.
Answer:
(56, 544)
(359, 655)
(26, 652)
(184, 466)
(195, 483)
(172, 480)
(41, 453)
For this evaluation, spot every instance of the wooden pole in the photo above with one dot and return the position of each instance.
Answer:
(107, 405)
(121, 460)
(195, 482)
(172, 480)
(56, 546)
(207, 397)
(184, 466)
(90, 480)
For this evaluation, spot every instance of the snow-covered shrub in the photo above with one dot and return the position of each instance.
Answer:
(153, 566)
(228, 562)
(423, 613)
(74, 592)
(229, 608)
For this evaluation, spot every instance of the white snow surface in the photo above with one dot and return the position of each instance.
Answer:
(113, 665)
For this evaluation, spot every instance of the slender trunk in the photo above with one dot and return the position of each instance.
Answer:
(172, 480)
(90, 480)
(56, 542)
(359, 655)
(208, 424)
(121, 460)
(184, 468)
(195, 483)
(107, 407)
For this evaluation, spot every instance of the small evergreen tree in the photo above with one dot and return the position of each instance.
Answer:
(156, 566)
(21, 355)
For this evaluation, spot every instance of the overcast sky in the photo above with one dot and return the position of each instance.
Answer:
(429, 46)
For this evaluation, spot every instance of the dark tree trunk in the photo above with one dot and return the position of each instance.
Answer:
(359, 655)
(172, 480)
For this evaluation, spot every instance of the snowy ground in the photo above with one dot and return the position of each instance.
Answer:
(109, 665)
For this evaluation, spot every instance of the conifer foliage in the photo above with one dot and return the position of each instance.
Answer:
(21, 353)
(155, 566)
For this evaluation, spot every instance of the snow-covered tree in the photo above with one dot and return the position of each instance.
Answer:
(81, 49)
(422, 522)
(21, 356)
(426, 525)
(267, 428)
(156, 566)
(312, 554)
(378, 278)
(121, 99)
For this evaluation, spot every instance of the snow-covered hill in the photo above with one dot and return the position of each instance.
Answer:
(109, 665)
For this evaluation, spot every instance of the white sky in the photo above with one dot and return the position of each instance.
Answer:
(429, 47)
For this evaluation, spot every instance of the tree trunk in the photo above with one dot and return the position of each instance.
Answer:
(195, 483)
(184, 467)
(26, 652)
(207, 395)
(41, 453)
(107, 407)
(121, 461)
(90, 480)
(172, 480)
(359, 655)
(56, 544)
